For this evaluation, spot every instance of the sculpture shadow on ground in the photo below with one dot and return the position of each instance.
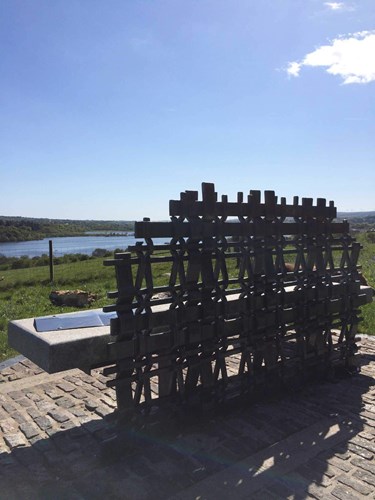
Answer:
(280, 445)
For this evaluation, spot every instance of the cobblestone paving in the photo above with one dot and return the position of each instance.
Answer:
(60, 437)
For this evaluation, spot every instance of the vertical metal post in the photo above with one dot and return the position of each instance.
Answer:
(50, 261)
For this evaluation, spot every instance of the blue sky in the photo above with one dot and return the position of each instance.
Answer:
(110, 109)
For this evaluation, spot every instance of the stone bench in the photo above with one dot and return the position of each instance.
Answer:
(72, 345)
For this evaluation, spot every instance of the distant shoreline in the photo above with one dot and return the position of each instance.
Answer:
(21, 229)
(70, 235)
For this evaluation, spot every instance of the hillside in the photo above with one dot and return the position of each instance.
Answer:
(25, 229)
(14, 228)
(359, 221)
(356, 215)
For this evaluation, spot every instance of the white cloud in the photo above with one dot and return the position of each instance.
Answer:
(352, 57)
(294, 68)
(339, 6)
(334, 5)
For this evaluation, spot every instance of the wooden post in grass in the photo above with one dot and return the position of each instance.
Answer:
(50, 261)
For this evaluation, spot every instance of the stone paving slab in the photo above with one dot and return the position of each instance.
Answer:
(62, 438)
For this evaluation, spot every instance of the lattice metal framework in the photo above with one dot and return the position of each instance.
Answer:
(256, 292)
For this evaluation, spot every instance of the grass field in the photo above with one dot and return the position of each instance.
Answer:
(24, 293)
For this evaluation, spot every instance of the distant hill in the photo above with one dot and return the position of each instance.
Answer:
(359, 221)
(14, 228)
(355, 215)
(28, 228)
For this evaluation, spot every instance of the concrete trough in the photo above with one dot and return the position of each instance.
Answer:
(61, 349)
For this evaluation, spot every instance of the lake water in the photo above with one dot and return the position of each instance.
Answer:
(71, 244)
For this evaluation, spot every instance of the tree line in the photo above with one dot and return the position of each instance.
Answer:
(14, 229)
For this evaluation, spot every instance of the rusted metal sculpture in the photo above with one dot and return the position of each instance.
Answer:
(259, 323)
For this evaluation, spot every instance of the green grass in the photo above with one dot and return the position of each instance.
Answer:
(24, 293)
(367, 261)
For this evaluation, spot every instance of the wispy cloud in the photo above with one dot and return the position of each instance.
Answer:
(351, 57)
(334, 5)
(294, 68)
